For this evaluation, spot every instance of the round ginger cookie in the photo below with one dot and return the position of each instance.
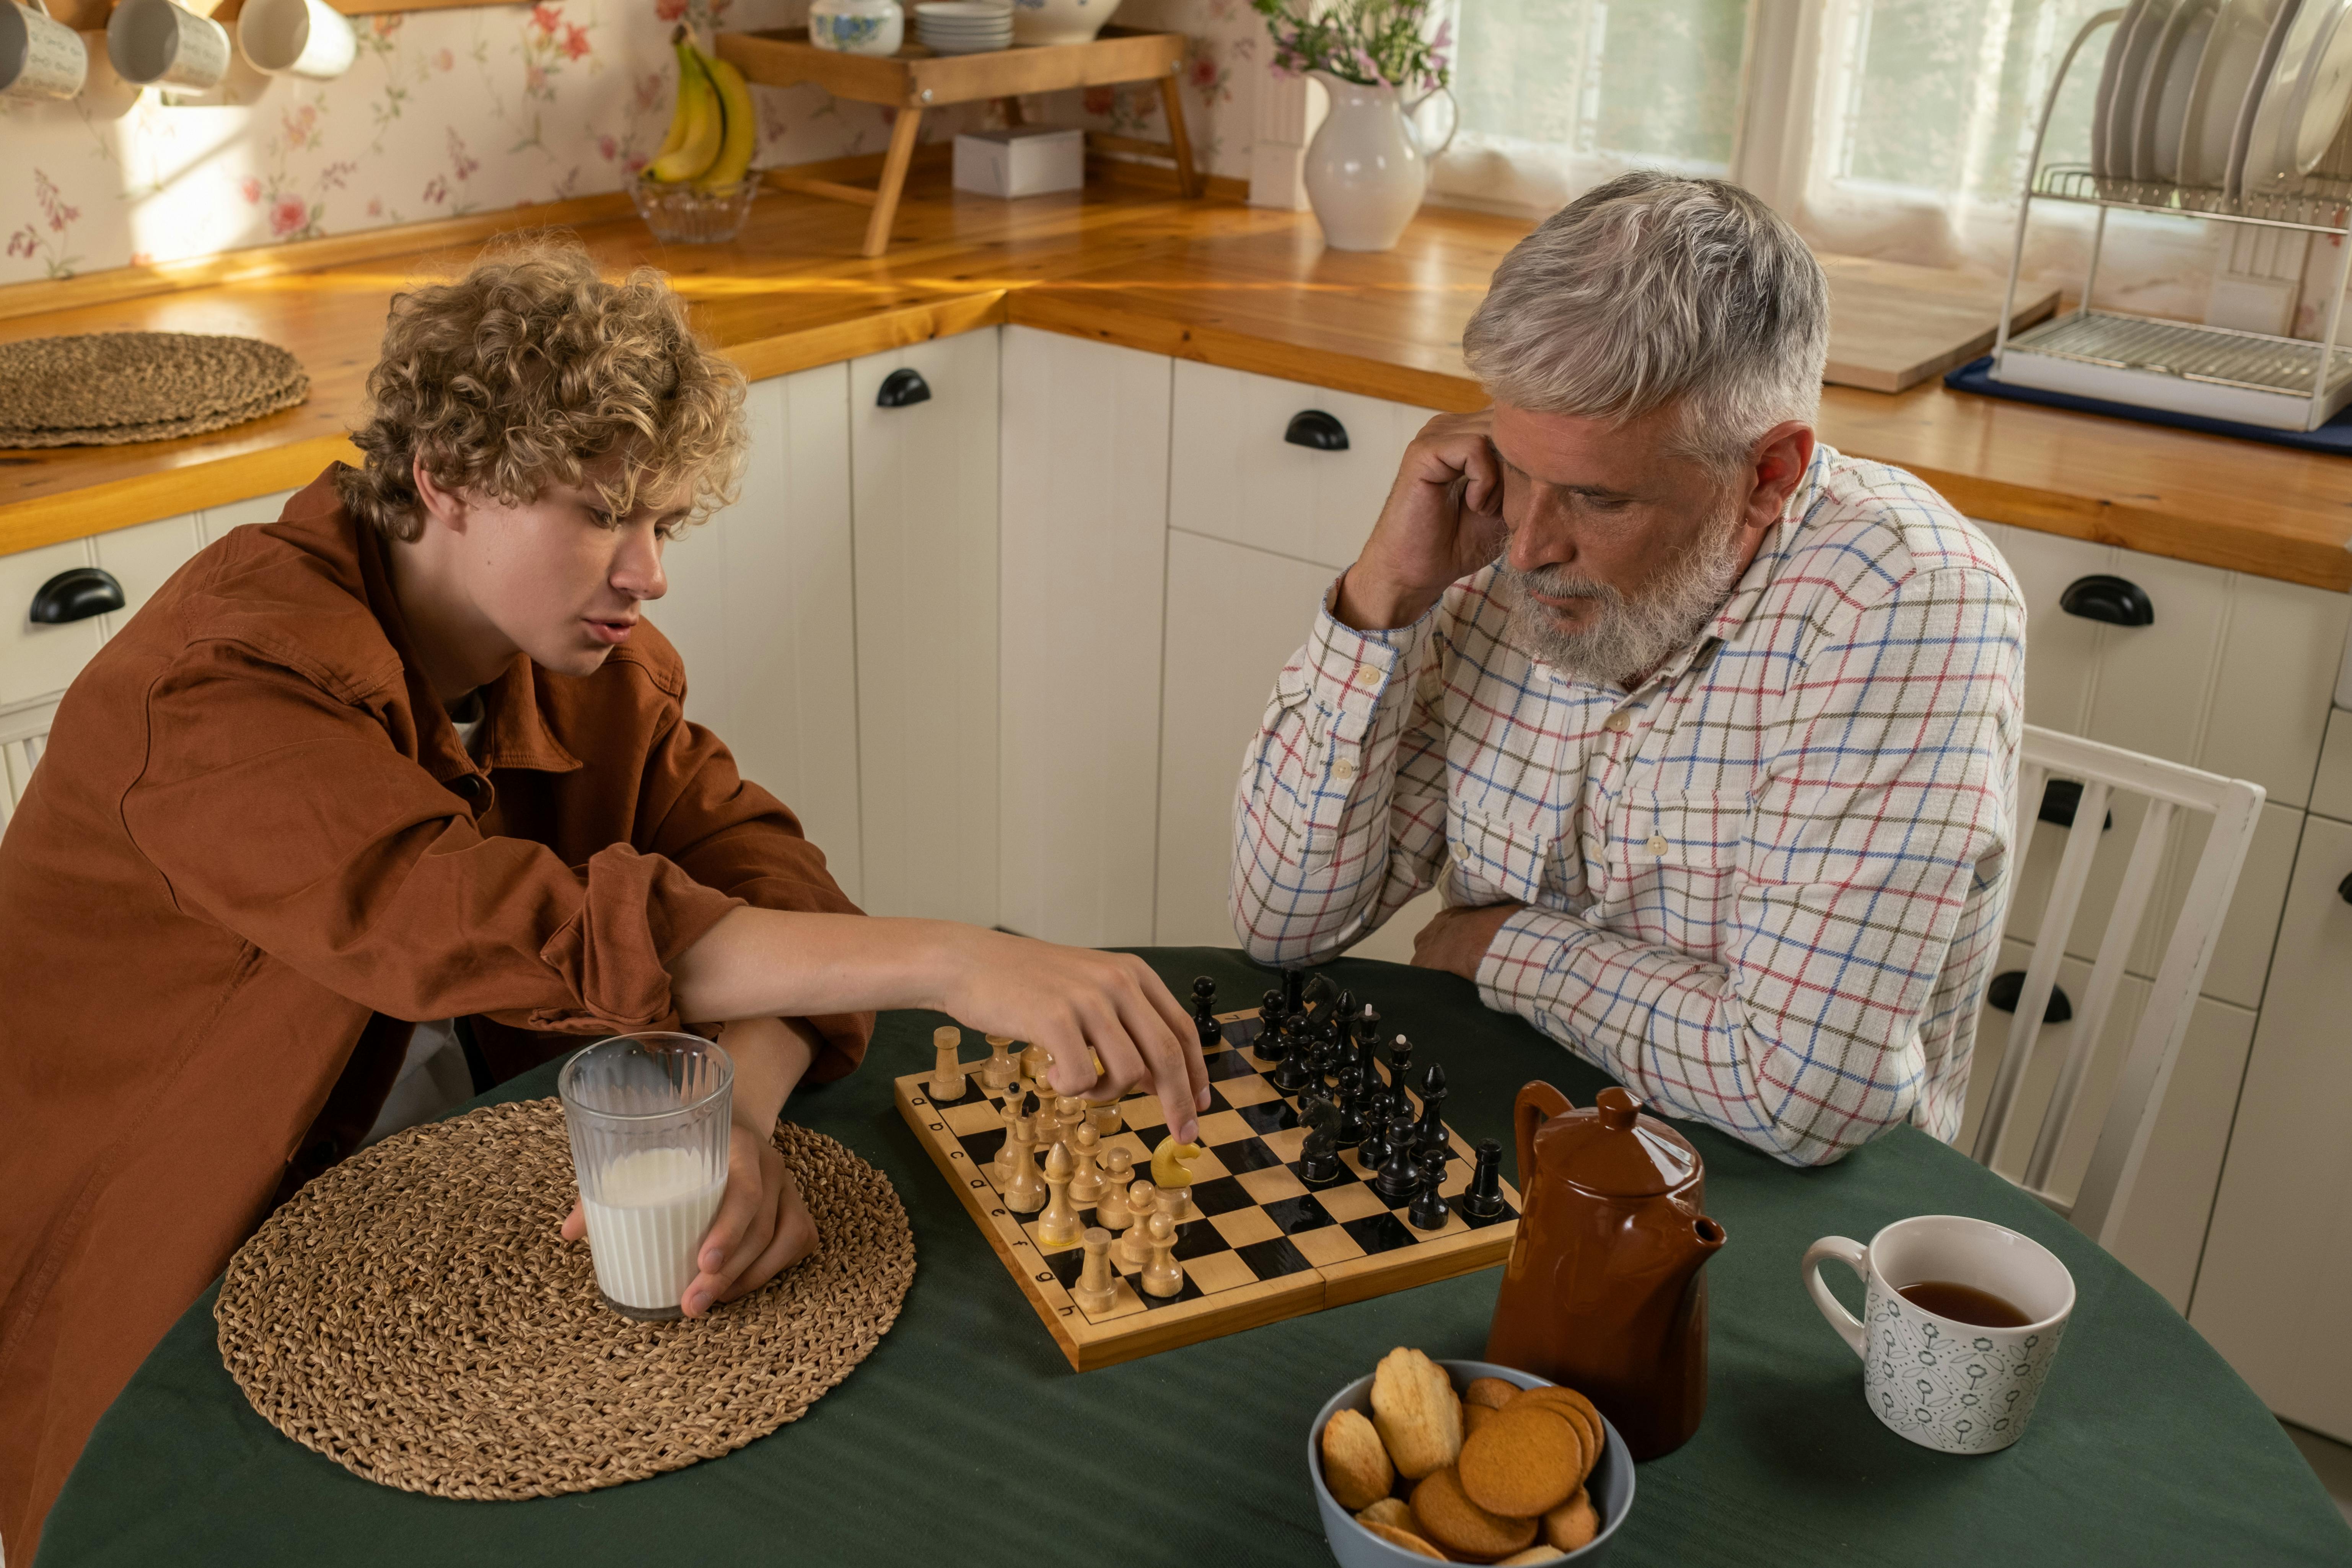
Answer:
(1580, 1415)
(1493, 1392)
(1474, 1417)
(1389, 1510)
(1574, 1524)
(1405, 1540)
(1538, 1552)
(1355, 1462)
(1461, 1525)
(1524, 1461)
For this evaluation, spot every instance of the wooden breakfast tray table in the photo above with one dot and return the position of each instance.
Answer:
(915, 79)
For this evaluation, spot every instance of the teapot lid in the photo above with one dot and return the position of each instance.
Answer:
(1615, 1150)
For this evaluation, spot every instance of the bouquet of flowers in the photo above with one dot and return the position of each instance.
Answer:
(1372, 43)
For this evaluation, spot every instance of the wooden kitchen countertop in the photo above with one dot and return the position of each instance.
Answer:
(1124, 263)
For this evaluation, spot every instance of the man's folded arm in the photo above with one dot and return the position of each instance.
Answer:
(1887, 801)
(729, 834)
(1339, 816)
(328, 849)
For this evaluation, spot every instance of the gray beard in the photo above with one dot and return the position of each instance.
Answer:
(1631, 636)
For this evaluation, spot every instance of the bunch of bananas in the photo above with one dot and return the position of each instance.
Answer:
(713, 131)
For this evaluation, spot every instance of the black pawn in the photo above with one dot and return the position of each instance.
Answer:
(1399, 1173)
(1431, 1134)
(1429, 1211)
(1318, 1155)
(1271, 1044)
(1484, 1200)
(1375, 1148)
(1204, 1013)
(1351, 1131)
(1296, 1069)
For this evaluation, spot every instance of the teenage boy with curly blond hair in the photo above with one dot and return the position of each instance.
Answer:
(413, 753)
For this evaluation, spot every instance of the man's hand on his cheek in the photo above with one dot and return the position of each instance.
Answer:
(1457, 940)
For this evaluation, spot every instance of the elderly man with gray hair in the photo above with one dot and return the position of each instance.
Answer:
(1707, 733)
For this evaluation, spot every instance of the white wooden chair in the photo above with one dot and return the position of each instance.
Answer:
(2104, 771)
(24, 731)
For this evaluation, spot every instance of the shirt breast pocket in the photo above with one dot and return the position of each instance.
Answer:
(1692, 830)
(1494, 862)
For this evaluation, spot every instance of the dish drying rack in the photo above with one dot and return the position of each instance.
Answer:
(2221, 373)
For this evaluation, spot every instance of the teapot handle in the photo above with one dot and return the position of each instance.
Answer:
(1537, 1103)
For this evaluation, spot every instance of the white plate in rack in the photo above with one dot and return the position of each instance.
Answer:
(2147, 22)
(2303, 102)
(2108, 70)
(2234, 51)
(2282, 19)
(2164, 91)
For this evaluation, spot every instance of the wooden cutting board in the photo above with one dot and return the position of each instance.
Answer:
(1893, 325)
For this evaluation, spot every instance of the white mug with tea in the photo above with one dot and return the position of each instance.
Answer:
(1960, 1317)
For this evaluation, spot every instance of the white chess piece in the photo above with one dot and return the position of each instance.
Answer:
(1141, 1199)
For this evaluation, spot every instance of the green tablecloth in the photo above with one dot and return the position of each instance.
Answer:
(966, 1440)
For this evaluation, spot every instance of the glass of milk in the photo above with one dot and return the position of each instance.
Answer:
(648, 1117)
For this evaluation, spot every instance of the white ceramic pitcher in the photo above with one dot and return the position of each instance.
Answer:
(1366, 168)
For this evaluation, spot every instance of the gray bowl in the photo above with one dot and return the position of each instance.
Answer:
(1611, 1485)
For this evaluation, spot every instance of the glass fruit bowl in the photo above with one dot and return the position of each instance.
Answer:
(683, 214)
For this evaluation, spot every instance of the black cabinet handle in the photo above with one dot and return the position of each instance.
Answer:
(2010, 984)
(2061, 798)
(2118, 601)
(1314, 429)
(901, 387)
(76, 595)
(2344, 889)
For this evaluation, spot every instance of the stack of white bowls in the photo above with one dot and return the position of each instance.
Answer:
(963, 27)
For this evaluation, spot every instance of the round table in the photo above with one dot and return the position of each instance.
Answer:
(966, 1440)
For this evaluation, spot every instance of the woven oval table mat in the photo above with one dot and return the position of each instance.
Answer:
(412, 1315)
(106, 389)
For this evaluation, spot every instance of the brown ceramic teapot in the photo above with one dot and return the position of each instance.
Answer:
(1604, 1291)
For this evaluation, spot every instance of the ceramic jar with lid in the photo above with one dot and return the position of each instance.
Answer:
(857, 26)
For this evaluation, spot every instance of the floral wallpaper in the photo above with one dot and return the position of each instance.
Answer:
(453, 111)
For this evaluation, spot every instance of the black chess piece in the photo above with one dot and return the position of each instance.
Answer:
(1294, 992)
(1373, 1152)
(1318, 1155)
(1296, 1068)
(1399, 1173)
(1204, 1013)
(1368, 1028)
(1431, 1134)
(1483, 1199)
(1429, 1211)
(1399, 1068)
(1351, 1131)
(1271, 1044)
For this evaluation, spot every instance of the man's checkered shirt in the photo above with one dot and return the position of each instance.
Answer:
(1764, 890)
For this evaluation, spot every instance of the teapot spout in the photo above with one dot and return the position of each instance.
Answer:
(1697, 1242)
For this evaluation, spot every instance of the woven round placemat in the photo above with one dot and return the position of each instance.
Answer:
(107, 389)
(412, 1315)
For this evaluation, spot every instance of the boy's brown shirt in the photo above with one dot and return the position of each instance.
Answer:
(253, 852)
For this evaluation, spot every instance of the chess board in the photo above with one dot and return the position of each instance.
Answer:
(1267, 1244)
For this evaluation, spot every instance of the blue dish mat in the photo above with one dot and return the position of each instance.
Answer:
(2335, 436)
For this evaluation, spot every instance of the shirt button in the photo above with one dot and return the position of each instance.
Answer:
(1617, 722)
(1344, 768)
(1658, 844)
(1461, 856)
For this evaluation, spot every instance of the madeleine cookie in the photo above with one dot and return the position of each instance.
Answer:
(1533, 1554)
(1493, 1392)
(1391, 1511)
(1405, 1540)
(1415, 1411)
(1523, 1461)
(1574, 1524)
(1450, 1519)
(1355, 1464)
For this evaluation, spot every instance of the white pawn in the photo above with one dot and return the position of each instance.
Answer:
(1094, 1291)
(1085, 1182)
(999, 1070)
(1105, 1118)
(1001, 1168)
(1140, 1200)
(1162, 1276)
(1111, 1211)
(947, 1073)
(1119, 1165)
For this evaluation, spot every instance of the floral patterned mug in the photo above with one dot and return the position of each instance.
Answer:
(1947, 1384)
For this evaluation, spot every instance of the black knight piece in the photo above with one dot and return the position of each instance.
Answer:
(1484, 1200)
(1318, 1155)
(1399, 1173)
(1430, 1211)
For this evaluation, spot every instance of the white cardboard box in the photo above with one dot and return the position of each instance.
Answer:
(1025, 161)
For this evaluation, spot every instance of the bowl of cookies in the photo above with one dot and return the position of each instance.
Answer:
(1465, 1461)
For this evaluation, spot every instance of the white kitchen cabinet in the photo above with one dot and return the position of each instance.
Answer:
(760, 607)
(2278, 1265)
(24, 731)
(2331, 789)
(1083, 535)
(923, 498)
(1234, 477)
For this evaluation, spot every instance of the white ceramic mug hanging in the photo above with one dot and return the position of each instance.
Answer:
(1366, 169)
(155, 43)
(296, 37)
(40, 57)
